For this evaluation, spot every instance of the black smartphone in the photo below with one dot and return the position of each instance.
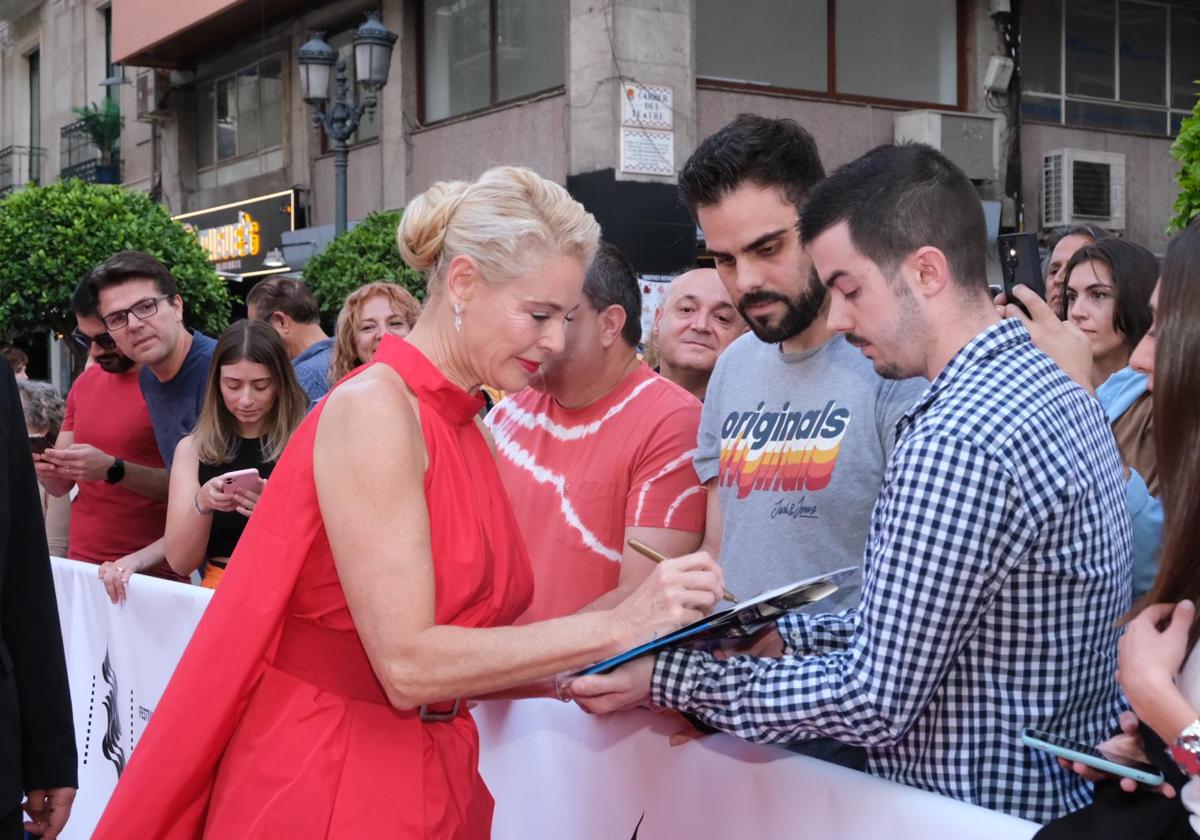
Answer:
(39, 443)
(1020, 265)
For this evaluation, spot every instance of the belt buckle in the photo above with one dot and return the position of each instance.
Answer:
(424, 713)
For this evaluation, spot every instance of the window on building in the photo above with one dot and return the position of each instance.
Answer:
(239, 124)
(1118, 65)
(34, 65)
(479, 53)
(109, 69)
(849, 49)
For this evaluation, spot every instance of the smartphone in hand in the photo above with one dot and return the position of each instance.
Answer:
(1139, 771)
(231, 482)
(1020, 265)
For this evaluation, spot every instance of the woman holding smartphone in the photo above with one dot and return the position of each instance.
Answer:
(252, 405)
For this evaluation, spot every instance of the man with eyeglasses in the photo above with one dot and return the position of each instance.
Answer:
(107, 450)
(138, 301)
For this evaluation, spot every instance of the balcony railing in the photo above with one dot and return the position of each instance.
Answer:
(20, 165)
(81, 158)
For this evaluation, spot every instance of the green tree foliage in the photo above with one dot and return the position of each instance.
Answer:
(366, 253)
(1186, 150)
(51, 235)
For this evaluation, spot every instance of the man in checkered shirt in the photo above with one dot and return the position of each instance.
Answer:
(997, 563)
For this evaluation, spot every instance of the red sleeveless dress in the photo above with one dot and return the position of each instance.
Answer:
(273, 724)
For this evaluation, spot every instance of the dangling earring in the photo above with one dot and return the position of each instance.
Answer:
(458, 310)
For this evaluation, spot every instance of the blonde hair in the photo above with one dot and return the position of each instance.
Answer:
(510, 221)
(216, 435)
(345, 354)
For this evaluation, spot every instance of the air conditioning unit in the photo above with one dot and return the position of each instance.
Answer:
(971, 141)
(1081, 186)
(153, 95)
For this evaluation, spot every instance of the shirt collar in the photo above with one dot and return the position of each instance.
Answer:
(994, 340)
(313, 350)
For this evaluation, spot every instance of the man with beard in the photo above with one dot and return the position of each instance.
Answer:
(796, 425)
(107, 449)
(692, 327)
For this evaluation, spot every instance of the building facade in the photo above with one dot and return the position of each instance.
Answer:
(609, 97)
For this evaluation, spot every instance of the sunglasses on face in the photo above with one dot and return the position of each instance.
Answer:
(104, 340)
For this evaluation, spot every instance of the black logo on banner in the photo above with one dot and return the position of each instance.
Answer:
(111, 744)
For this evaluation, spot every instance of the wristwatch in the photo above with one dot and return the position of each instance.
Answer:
(1186, 749)
(116, 472)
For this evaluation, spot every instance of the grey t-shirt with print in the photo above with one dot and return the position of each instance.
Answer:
(797, 443)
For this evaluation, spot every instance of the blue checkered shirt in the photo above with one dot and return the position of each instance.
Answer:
(996, 566)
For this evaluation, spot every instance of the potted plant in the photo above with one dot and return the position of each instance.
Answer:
(103, 124)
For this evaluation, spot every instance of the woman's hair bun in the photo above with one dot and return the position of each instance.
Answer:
(426, 219)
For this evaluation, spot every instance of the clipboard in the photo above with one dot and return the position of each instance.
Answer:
(738, 622)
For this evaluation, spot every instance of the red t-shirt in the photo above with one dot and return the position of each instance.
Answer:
(108, 521)
(578, 477)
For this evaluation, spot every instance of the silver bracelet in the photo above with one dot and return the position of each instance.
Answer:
(196, 505)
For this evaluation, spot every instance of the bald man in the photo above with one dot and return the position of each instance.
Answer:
(695, 323)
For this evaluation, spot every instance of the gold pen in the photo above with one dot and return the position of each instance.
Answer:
(650, 554)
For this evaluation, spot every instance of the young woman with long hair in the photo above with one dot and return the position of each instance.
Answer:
(1108, 285)
(252, 405)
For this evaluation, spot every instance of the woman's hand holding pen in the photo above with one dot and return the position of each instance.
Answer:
(677, 592)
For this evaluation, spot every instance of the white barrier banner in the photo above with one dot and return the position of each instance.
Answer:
(554, 771)
(119, 659)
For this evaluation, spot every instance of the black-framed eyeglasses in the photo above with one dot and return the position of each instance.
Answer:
(142, 310)
(104, 340)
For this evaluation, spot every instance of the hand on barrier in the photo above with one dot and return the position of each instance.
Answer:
(115, 578)
(1128, 745)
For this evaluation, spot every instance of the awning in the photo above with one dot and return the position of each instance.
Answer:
(154, 33)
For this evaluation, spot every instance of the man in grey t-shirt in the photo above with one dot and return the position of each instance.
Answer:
(792, 446)
(797, 426)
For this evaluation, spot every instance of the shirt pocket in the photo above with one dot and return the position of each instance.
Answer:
(595, 505)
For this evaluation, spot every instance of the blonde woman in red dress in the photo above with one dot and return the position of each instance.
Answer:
(323, 694)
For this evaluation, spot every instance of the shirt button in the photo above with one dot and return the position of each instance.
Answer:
(795, 634)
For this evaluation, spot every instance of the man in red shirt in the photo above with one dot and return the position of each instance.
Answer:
(107, 449)
(598, 451)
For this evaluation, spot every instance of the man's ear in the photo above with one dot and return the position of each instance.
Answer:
(658, 314)
(928, 271)
(462, 278)
(611, 321)
(282, 322)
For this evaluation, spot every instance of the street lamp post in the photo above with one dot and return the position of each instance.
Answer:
(373, 44)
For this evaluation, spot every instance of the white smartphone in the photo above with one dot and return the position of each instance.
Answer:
(1139, 771)
(240, 480)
